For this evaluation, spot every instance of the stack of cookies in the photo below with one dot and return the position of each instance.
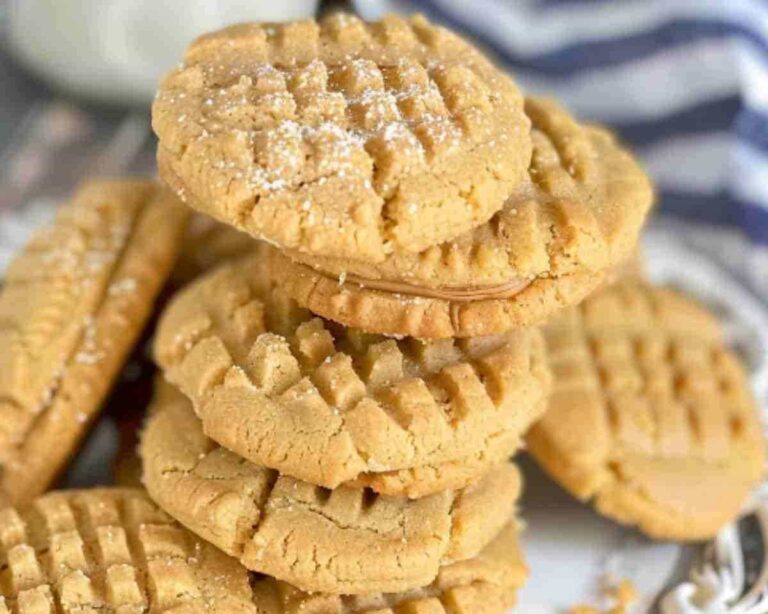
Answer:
(353, 353)
(342, 398)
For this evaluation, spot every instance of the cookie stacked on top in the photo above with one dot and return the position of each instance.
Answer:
(406, 185)
(342, 397)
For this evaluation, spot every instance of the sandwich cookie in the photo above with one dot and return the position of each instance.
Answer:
(327, 405)
(574, 219)
(485, 584)
(342, 138)
(345, 540)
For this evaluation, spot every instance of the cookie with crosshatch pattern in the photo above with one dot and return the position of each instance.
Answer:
(111, 550)
(327, 404)
(573, 220)
(340, 137)
(651, 416)
(345, 540)
(73, 304)
(485, 584)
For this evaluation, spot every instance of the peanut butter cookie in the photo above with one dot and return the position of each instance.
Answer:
(575, 218)
(326, 404)
(651, 416)
(315, 538)
(73, 304)
(485, 584)
(342, 138)
(112, 550)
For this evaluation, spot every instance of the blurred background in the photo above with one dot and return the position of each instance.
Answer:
(684, 82)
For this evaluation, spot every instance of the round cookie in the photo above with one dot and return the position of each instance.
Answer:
(651, 417)
(73, 304)
(328, 405)
(111, 550)
(485, 584)
(345, 540)
(339, 137)
(575, 218)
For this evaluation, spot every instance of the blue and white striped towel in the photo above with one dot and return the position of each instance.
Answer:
(685, 82)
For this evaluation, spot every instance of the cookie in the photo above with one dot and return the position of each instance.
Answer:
(72, 306)
(328, 405)
(424, 480)
(346, 540)
(111, 550)
(485, 584)
(651, 417)
(574, 219)
(206, 244)
(339, 137)
(414, 483)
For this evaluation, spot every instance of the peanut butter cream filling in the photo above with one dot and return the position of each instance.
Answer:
(457, 294)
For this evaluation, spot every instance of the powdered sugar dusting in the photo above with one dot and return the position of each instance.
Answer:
(345, 116)
(123, 286)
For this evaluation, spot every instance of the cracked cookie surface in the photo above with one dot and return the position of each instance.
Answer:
(328, 405)
(340, 137)
(651, 417)
(73, 304)
(484, 584)
(315, 538)
(111, 550)
(576, 217)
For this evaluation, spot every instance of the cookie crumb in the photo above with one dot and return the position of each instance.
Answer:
(620, 596)
(624, 594)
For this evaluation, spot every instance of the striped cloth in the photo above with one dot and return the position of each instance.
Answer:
(685, 82)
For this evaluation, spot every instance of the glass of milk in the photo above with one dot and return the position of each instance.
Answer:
(116, 50)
